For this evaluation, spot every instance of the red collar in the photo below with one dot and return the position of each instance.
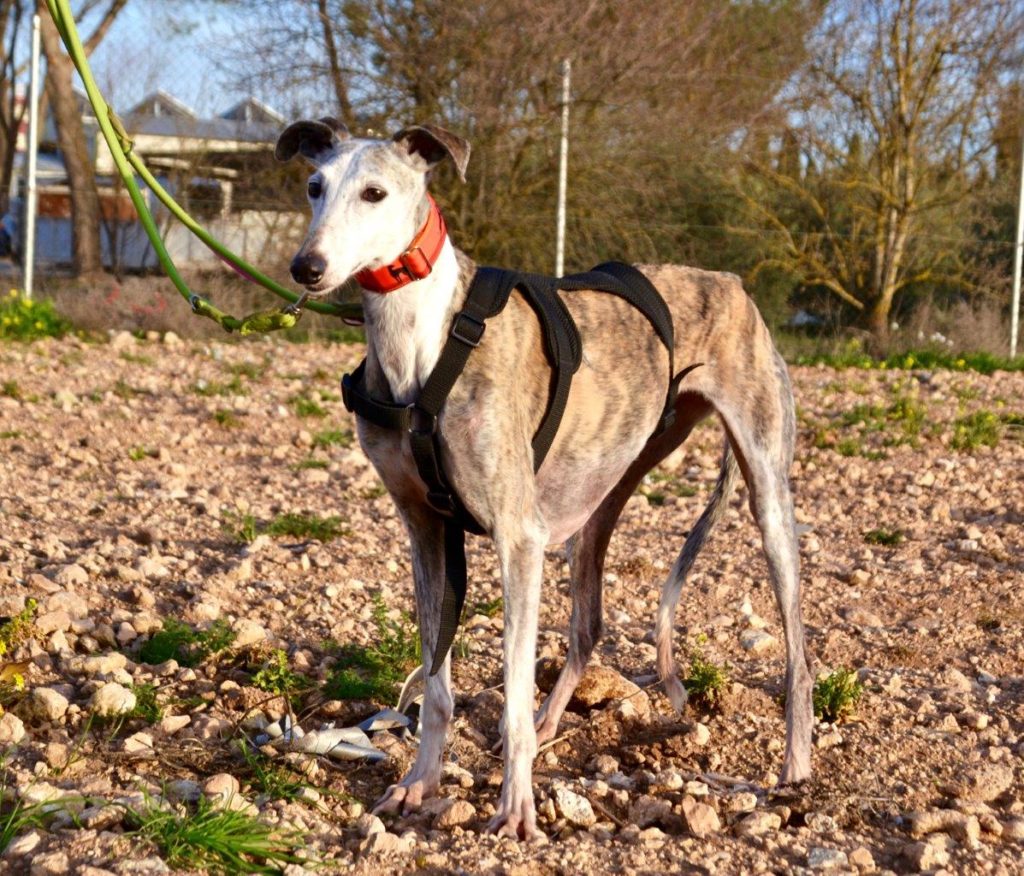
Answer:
(413, 264)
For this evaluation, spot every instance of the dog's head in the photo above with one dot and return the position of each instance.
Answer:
(368, 196)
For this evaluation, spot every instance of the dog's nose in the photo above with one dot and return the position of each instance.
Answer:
(308, 269)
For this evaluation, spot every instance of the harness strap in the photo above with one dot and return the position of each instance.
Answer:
(487, 296)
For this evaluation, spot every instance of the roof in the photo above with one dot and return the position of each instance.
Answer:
(160, 104)
(253, 110)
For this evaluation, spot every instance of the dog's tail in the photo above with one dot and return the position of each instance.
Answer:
(664, 627)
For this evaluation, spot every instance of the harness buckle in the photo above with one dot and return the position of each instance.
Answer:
(468, 329)
(421, 423)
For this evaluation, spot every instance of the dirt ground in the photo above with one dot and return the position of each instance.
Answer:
(126, 465)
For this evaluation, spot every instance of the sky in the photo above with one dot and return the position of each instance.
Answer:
(177, 46)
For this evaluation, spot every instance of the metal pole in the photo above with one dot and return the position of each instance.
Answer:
(31, 192)
(1017, 251)
(563, 171)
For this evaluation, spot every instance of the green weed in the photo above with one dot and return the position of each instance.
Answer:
(243, 528)
(303, 525)
(888, 537)
(275, 677)
(10, 433)
(333, 438)
(26, 319)
(836, 694)
(17, 816)
(186, 644)
(705, 681)
(975, 430)
(15, 630)
(854, 357)
(309, 463)
(491, 608)
(124, 390)
(11, 389)
(249, 370)
(374, 671)
(211, 388)
(226, 419)
(147, 708)
(307, 407)
(269, 779)
(139, 453)
(137, 358)
(215, 840)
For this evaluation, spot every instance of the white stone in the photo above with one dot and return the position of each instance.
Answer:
(112, 699)
(12, 730)
(573, 807)
(821, 858)
(47, 704)
(757, 641)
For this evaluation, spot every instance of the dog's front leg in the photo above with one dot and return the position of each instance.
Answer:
(422, 781)
(521, 554)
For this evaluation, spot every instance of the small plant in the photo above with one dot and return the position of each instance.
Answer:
(10, 433)
(491, 608)
(303, 525)
(27, 319)
(124, 390)
(11, 389)
(17, 816)
(249, 370)
(226, 419)
(333, 438)
(705, 681)
(975, 430)
(240, 528)
(211, 388)
(139, 453)
(375, 492)
(147, 708)
(189, 646)
(307, 407)
(15, 630)
(215, 840)
(310, 463)
(268, 778)
(887, 537)
(137, 358)
(275, 677)
(836, 694)
(374, 671)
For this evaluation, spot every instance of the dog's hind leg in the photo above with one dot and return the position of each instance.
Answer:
(586, 553)
(422, 781)
(665, 624)
(765, 456)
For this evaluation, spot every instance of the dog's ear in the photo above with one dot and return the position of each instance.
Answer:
(431, 145)
(312, 140)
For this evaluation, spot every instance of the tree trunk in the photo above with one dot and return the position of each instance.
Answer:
(85, 202)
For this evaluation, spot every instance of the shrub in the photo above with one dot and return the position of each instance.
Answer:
(27, 319)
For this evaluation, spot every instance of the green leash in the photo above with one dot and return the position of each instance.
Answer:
(129, 164)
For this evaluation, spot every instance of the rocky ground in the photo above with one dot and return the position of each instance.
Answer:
(137, 476)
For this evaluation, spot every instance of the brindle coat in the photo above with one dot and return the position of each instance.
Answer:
(602, 450)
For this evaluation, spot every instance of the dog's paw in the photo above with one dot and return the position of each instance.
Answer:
(517, 821)
(406, 797)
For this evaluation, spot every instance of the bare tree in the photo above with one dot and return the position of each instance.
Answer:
(78, 162)
(12, 111)
(892, 125)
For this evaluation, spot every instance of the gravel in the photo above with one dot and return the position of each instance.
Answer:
(121, 485)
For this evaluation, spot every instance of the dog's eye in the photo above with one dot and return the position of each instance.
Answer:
(373, 194)
(315, 189)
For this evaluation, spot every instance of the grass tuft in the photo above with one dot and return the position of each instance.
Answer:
(268, 778)
(215, 840)
(836, 694)
(243, 528)
(374, 671)
(982, 428)
(189, 646)
(887, 537)
(147, 708)
(15, 630)
(705, 681)
(332, 438)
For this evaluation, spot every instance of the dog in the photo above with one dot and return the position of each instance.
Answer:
(369, 200)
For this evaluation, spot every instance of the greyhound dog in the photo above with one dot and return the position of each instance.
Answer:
(369, 201)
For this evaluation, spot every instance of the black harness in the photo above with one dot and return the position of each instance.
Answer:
(488, 294)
